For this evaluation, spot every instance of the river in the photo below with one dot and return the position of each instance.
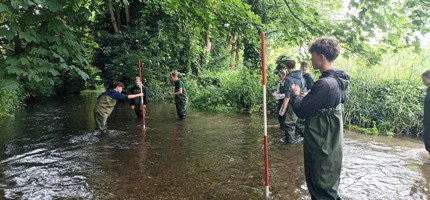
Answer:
(48, 152)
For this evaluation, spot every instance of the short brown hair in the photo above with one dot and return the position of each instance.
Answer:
(304, 63)
(327, 46)
(118, 84)
(426, 74)
(290, 64)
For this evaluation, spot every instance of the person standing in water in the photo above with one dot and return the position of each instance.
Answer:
(426, 121)
(136, 103)
(181, 99)
(279, 95)
(322, 108)
(294, 77)
(106, 103)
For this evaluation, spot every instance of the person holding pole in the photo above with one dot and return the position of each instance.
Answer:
(136, 103)
(106, 103)
(181, 99)
(322, 108)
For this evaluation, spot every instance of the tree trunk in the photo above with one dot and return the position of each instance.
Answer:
(127, 14)
(234, 50)
(118, 15)
(112, 17)
(208, 43)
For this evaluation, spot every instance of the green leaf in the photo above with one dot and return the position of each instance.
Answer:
(19, 4)
(6, 34)
(33, 76)
(27, 36)
(5, 8)
(13, 69)
(82, 74)
(9, 83)
(24, 61)
(54, 72)
(54, 5)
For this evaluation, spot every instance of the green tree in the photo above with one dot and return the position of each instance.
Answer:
(40, 40)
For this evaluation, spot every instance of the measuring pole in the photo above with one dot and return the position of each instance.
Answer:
(266, 149)
(141, 98)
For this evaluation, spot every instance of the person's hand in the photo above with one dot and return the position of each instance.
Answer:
(132, 107)
(140, 95)
(281, 112)
(171, 93)
(273, 94)
(295, 90)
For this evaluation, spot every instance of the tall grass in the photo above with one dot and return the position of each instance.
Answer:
(386, 98)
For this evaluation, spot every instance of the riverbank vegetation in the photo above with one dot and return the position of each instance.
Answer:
(55, 47)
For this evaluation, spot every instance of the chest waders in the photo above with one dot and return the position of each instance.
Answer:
(181, 102)
(323, 154)
(102, 111)
(281, 119)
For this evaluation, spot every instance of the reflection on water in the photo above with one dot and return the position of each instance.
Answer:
(48, 152)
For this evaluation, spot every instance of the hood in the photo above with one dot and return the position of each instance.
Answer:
(341, 76)
(296, 74)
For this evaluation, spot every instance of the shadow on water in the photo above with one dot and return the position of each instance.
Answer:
(48, 152)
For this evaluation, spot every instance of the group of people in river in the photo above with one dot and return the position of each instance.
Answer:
(288, 120)
(107, 100)
(301, 103)
(313, 111)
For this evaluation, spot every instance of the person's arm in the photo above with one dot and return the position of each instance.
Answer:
(132, 103)
(284, 107)
(313, 101)
(132, 96)
(177, 93)
(287, 87)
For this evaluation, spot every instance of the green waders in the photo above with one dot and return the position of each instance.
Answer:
(323, 154)
(102, 111)
(181, 102)
(290, 124)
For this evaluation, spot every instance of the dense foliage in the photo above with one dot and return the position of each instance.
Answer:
(55, 47)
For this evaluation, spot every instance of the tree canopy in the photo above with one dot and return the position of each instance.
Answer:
(44, 40)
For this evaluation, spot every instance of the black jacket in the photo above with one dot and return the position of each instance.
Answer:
(328, 92)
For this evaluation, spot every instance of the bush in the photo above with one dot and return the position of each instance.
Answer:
(10, 101)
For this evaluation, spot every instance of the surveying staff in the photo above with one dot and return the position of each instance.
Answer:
(322, 109)
(105, 104)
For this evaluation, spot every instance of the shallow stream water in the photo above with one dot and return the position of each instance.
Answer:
(47, 151)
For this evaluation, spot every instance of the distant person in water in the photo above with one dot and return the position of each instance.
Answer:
(279, 95)
(136, 103)
(426, 121)
(106, 103)
(181, 100)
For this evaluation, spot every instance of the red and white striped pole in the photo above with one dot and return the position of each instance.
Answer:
(266, 149)
(141, 98)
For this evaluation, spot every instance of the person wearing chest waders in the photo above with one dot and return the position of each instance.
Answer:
(279, 95)
(181, 100)
(106, 103)
(136, 103)
(426, 121)
(294, 77)
(322, 108)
